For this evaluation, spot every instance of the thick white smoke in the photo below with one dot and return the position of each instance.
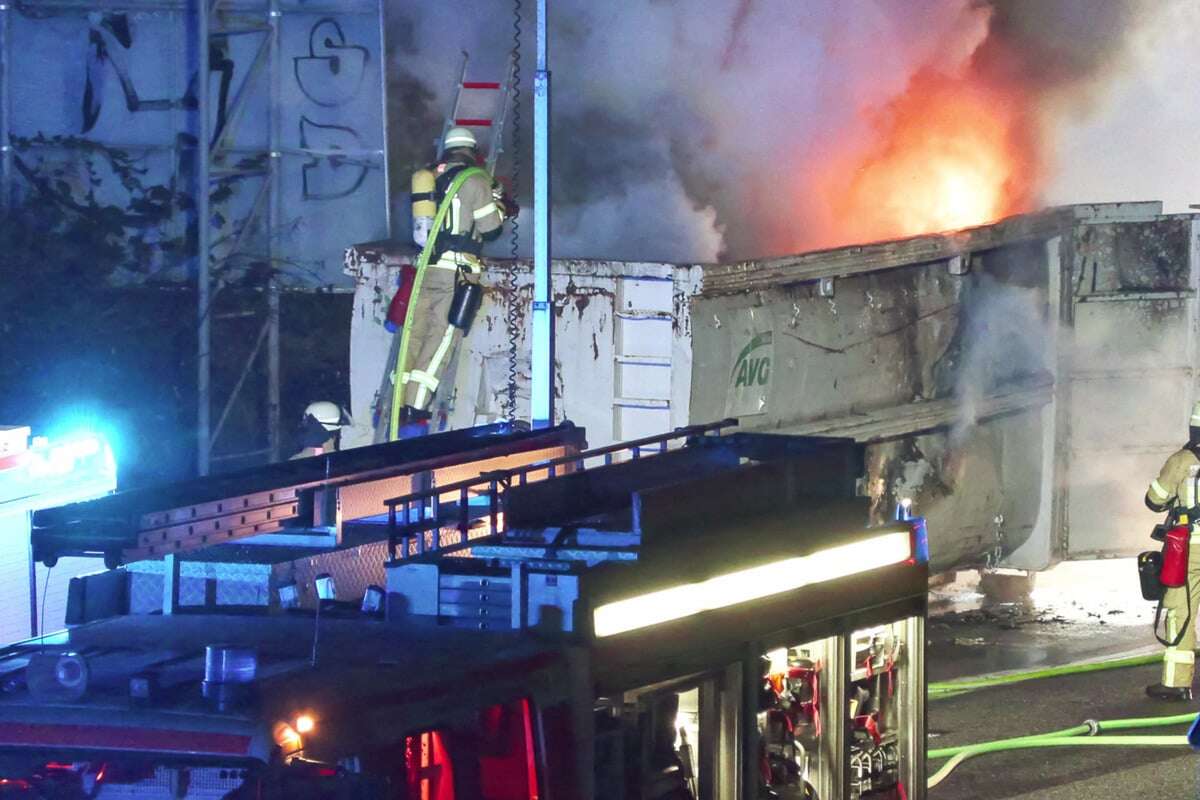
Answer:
(692, 131)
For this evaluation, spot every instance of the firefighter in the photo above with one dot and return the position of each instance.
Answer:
(474, 214)
(1175, 489)
(321, 429)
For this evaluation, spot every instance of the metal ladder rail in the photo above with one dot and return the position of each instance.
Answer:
(495, 123)
(417, 522)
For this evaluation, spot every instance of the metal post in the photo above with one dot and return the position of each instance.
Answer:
(33, 601)
(273, 216)
(5, 144)
(383, 94)
(171, 576)
(199, 41)
(542, 365)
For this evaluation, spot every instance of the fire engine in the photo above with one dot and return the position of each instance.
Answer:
(702, 614)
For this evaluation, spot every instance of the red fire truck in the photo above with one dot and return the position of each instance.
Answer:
(697, 615)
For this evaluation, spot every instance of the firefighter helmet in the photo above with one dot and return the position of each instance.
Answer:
(329, 414)
(458, 137)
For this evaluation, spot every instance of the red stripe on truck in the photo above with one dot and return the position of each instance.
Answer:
(114, 737)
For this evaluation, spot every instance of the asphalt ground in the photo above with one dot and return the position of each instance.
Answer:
(965, 641)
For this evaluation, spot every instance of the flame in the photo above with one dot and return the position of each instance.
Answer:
(946, 154)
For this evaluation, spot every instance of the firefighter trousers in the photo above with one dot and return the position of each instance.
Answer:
(432, 340)
(1179, 661)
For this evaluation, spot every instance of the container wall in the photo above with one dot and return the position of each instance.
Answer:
(943, 376)
(622, 338)
(1132, 364)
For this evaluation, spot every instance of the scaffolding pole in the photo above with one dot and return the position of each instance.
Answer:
(274, 442)
(198, 42)
(5, 107)
(542, 364)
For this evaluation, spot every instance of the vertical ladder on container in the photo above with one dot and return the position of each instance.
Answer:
(472, 109)
(643, 328)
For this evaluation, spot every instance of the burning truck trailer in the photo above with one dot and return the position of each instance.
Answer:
(1017, 381)
(610, 623)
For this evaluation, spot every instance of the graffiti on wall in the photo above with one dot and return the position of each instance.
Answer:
(110, 38)
(331, 75)
(132, 103)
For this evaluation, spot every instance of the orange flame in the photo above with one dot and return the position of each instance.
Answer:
(948, 153)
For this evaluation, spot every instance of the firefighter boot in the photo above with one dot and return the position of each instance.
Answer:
(1159, 691)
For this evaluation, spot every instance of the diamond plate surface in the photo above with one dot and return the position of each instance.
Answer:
(352, 570)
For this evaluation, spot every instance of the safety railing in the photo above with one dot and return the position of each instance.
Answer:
(412, 516)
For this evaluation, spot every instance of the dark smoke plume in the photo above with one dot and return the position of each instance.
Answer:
(694, 131)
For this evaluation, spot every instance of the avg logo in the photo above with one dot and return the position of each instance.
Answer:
(751, 369)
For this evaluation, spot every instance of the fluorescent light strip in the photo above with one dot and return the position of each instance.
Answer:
(751, 584)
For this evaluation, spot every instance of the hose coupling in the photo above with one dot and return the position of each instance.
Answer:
(1093, 727)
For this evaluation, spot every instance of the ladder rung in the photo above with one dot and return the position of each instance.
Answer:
(480, 85)
(474, 123)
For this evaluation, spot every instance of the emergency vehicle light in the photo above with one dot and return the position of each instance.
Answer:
(754, 583)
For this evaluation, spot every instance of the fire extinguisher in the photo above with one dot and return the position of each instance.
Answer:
(1173, 573)
(398, 308)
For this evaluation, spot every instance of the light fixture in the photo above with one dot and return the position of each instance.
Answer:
(305, 724)
(325, 587)
(289, 595)
(372, 602)
(754, 583)
(286, 737)
(229, 674)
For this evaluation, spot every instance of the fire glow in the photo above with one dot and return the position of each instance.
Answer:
(948, 153)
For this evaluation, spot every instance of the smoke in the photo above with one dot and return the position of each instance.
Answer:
(732, 129)
(1065, 47)
(1004, 340)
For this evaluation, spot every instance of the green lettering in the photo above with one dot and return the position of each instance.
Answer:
(743, 375)
(764, 372)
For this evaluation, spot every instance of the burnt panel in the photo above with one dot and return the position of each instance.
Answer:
(1133, 257)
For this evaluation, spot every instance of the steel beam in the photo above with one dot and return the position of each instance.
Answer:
(542, 364)
(198, 50)
(5, 106)
(274, 439)
(383, 114)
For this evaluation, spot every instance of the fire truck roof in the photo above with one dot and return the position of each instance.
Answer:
(365, 670)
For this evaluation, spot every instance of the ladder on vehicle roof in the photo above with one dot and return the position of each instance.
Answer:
(472, 110)
(418, 522)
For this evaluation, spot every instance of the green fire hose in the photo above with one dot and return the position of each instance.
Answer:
(952, 688)
(1083, 735)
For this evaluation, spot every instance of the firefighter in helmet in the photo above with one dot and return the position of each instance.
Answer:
(1175, 489)
(474, 213)
(321, 429)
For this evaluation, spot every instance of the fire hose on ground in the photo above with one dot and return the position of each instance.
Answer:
(945, 689)
(1086, 734)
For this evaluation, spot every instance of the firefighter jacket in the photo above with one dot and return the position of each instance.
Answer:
(1176, 484)
(474, 216)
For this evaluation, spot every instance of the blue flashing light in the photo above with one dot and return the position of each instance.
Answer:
(920, 539)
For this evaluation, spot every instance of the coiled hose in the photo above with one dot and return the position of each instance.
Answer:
(512, 315)
(1083, 735)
